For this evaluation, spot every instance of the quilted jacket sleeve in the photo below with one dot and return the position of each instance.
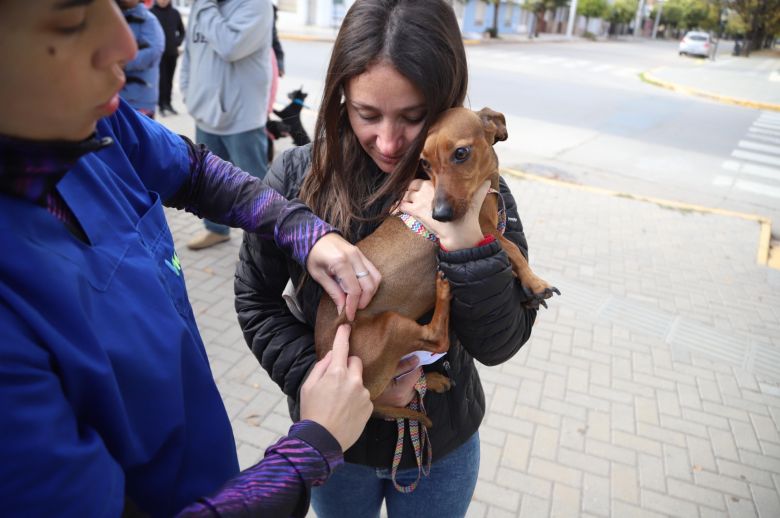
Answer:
(487, 310)
(283, 345)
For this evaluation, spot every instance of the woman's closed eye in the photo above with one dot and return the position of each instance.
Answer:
(370, 117)
(73, 28)
(71, 17)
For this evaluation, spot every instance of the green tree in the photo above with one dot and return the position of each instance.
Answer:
(695, 14)
(762, 21)
(539, 7)
(493, 31)
(592, 9)
(620, 13)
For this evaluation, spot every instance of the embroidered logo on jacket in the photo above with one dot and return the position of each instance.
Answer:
(174, 264)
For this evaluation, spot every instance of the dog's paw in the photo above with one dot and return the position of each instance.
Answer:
(443, 287)
(536, 299)
(437, 382)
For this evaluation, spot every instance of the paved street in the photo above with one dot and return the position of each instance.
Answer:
(580, 112)
(651, 387)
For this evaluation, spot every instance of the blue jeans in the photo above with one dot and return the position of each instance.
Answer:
(247, 151)
(357, 491)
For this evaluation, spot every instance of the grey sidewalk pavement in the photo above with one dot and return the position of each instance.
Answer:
(649, 388)
(752, 82)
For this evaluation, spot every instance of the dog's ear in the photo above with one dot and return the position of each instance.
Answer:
(494, 125)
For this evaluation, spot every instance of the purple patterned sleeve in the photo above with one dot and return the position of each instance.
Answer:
(280, 484)
(223, 193)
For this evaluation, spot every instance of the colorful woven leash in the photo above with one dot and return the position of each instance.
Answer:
(418, 228)
(501, 225)
(418, 435)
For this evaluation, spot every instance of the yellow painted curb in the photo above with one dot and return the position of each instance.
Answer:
(765, 250)
(648, 78)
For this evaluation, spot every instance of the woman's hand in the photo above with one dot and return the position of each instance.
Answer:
(400, 391)
(453, 235)
(333, 394)
(345, 274)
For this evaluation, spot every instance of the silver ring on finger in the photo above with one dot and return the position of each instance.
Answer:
(361, 274)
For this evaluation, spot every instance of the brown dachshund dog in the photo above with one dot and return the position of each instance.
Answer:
(458, 157)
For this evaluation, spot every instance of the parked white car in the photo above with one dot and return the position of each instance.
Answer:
(696, 43)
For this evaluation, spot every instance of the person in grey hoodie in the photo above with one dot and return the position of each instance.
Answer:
(225, 81)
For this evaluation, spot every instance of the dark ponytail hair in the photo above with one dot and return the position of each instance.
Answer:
(422, 40)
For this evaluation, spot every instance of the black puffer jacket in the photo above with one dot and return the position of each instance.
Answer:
(489, 324)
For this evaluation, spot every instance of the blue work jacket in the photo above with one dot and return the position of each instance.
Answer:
(105, 388)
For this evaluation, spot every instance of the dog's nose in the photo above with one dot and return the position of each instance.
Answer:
(442, 211)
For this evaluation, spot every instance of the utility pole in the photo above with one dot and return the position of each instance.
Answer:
(658, 17)
(638, 20)
(722, 19)
(572, 17)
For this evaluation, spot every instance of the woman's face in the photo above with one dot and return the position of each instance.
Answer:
(62, 66)
(386, 112)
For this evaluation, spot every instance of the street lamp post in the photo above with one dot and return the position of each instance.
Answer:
(722, 19)
(657, 17)
(572, 17)
(638, 20)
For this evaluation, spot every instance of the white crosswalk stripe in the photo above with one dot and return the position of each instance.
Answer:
(755, 146)
(756, 157)
(523, 62)
(755, 167)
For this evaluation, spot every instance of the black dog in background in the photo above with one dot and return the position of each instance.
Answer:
(291, 116)
(290, 125)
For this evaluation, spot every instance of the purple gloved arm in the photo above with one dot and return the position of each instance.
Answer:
(217, 190)
(280, 484)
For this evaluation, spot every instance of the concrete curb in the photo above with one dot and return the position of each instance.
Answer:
(306, 37)
(765, 224)
(466, 41)
(647, 77)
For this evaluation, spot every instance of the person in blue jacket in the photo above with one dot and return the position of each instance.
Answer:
(142, 73)
(109, 407)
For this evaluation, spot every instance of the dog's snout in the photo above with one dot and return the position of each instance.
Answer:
(442, 211)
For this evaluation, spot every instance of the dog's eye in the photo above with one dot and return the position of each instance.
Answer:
(461, 154)
(425, 165)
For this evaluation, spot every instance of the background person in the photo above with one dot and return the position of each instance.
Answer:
(173, 28)
(143, 72)
(395, 66)
(108, 403)
(225, 80)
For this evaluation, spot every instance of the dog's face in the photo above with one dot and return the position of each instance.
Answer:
(458, 157)
(297, 94)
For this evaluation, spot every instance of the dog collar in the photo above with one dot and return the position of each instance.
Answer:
(417, 227)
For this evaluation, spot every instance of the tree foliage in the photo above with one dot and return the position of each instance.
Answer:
(592, 8)
(762, 21)
(622, 11)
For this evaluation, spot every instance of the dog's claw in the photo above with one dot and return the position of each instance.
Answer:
(555, 290)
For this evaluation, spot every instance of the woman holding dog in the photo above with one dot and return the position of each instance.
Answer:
(396, 65)
(109, 407)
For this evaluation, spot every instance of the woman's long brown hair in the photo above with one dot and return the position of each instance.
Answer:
(422, 40)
